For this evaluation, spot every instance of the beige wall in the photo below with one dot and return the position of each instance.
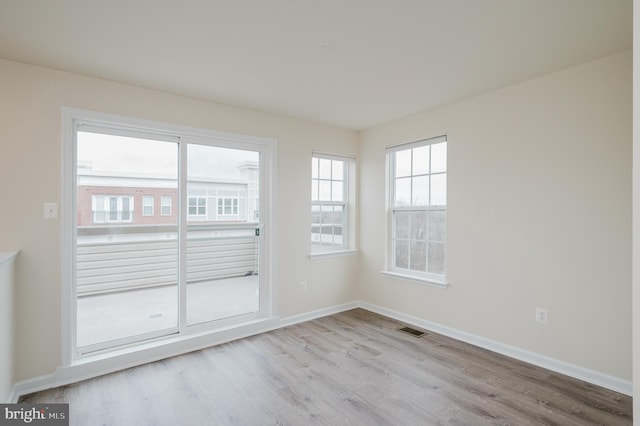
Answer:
(636, 210)
(30, 169)
(539, 215)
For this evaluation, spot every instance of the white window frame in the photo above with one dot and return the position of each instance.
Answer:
(231, 203)
(347, 204)
(437, 279)
(105, 200)
(165, 205)
(146, 205)
(189, 337)
(201, 203)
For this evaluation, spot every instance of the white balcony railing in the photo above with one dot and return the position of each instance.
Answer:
(112, 259)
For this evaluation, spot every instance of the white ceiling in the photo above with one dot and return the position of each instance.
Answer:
(349, 63)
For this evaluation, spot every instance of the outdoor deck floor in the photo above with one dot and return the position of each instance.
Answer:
(123, 314)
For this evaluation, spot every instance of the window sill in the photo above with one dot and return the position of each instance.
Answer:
(431, 282)
(336, 253)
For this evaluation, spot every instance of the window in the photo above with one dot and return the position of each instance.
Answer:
(111, 208)
(147, 205)
(197, 206)
(330, 213)
(227, 206)
(418, 201)
(165, 205)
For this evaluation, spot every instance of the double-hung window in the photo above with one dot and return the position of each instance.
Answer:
(165, 205)
(418, 209)
(147, 205)
(330, 214)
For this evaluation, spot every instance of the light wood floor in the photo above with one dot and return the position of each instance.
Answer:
(351, 368)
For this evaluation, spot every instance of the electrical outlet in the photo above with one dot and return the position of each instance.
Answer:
(542, 315)
(304, 286)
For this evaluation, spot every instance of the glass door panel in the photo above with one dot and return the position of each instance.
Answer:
(126, 239)
(222, 261)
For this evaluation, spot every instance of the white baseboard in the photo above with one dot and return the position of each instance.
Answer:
(12, 397)
(36, 384)
(308, 316)
(94, 368)
(571, 370)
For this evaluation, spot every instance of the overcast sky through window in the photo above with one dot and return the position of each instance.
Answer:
(121, 154)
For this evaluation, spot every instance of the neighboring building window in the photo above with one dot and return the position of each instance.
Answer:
(228, 206)
(197, 206)
(147, 205)
(329, 202)
(418, 207)
(112, 208)
(165, 205)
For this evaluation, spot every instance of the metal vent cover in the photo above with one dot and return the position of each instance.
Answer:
(412, 331)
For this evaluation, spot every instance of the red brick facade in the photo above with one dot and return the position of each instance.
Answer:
(86, 193)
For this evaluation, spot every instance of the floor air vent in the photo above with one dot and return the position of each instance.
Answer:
(412, 331)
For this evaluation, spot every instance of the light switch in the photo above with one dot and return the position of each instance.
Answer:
(50, 210)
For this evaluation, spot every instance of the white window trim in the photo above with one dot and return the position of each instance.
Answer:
(234, 208)
(106, 208)
(348, 245)
(198, 198)
(334, 253)
(163, 205)
(432, 282)
(437, 280)
(145, 205)
(194, 337)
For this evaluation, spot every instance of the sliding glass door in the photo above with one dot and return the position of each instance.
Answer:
(167, 235)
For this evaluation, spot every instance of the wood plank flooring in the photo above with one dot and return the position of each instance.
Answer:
(352, 368)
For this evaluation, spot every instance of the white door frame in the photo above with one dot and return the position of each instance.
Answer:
(120, 124)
